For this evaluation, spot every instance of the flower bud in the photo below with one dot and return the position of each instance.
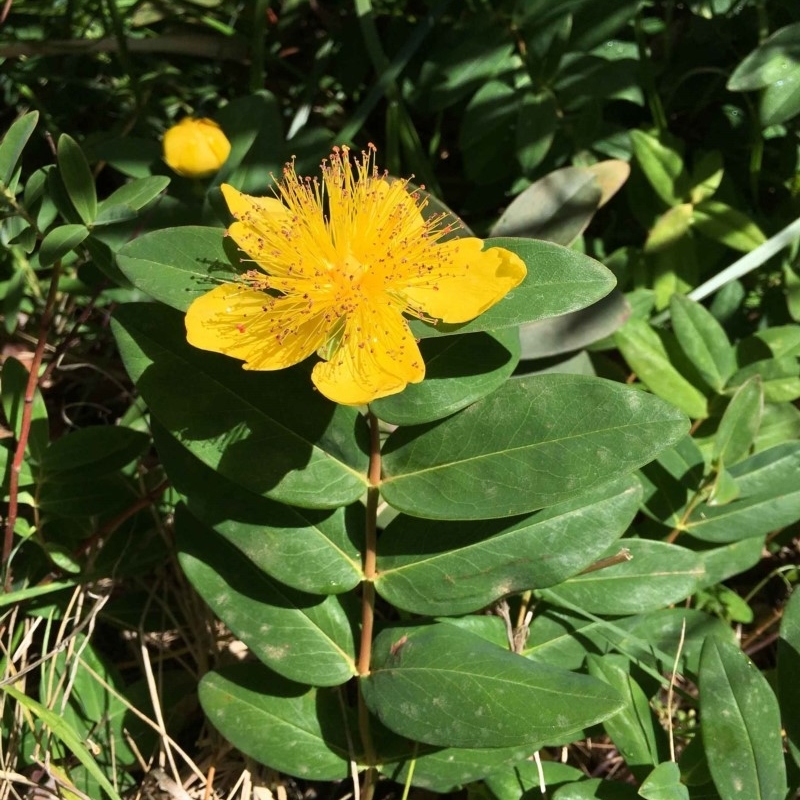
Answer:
(196, 148)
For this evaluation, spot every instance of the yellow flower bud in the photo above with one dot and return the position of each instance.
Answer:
(196, 148)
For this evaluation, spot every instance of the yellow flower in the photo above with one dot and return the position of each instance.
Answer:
(196, 148)
(339, 262)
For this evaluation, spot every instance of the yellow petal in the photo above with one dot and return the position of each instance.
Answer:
(241, 205)
(465, 282)
(265, 332)
(378, 356)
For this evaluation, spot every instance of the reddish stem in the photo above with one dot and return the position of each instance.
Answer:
(25, 426)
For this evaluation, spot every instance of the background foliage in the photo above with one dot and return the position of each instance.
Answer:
(661, 139)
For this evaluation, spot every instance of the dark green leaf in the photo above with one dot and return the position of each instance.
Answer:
(551, 437)
(536, 126)
(307, 728)
(741, 725)
(303, 637)
(136, 194)
(77, 177)
(429, 567)
(597, 789)
(177, 265)
(60, 241)
(307, 452)
(523, 778)
(664, 783)
(95, 451)
(631, 729)
(788, 670)
(458, 371)
(657, 575)
(312, 551)
(85, 495)
(14, 143)
(444, 686)
(780, 378)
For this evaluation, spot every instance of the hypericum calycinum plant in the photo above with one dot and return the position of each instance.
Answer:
(346, 543)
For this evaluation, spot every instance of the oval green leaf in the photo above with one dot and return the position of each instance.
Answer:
(435, 568)
(303, 637)
(285, 725)
(94, 451)
(78, 179)
(550, 437)
(741, 725)
(307, 452)
(14, 143)
(312, 551)
(60, 241)
(444, 686)
(657, 575)
(459, 370)
(177, 265)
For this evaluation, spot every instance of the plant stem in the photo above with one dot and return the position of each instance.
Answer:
(25, 423)
(368, 601)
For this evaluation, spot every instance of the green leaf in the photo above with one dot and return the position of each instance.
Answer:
(177, 265)
(552, 427)
(739, 424)
(444, 686)
(303, 637)
(137, 193)
(307, 729)
(780, 423)
(741, 725)
(14, 386)
(312, 551)
(657, 575)
(536, 126)
(646, 353)
(487, 135)
(62, 731)
(776, 58)
(507, 784)
(447, 769)
(664, 783)
(13, 144)
(670, 227)
(94, 452)
(307, 452)
(458, 371)
(703, 340)
(551, 437)
(706, 176)
(631, 729)
(435, 568)
(596, 789)
(60, 241)
(780, 378)
(556, 208)
(724, 562)
(726, 225)
(558, 281)
(788, 670)
(769, 498)
(78, 180)
(575, 330)
(82, 495)
(663, 167)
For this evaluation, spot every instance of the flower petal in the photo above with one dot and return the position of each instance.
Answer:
(465, 282)
(265, 332)
(378, 356)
